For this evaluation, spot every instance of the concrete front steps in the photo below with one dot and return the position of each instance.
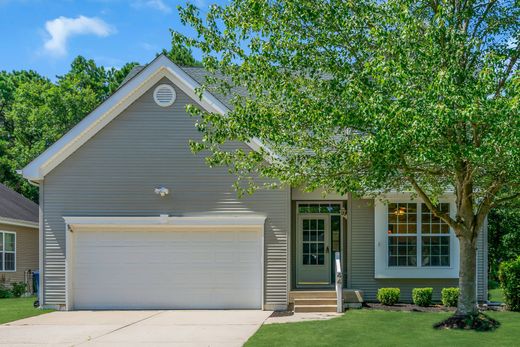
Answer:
(314, 301)
(323, 300)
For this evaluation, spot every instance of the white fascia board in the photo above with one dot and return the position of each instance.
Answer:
(113, 106)
(164, 220)
(18, 222)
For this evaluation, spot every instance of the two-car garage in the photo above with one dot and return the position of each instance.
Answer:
(165, 263)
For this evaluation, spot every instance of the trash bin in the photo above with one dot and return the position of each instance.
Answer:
(36, 281)
(36, 287)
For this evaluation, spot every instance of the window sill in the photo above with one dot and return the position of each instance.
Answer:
(417, 272)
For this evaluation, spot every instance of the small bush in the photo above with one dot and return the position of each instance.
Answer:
(422, 296)
(5, 292)
(450, 296)
(509, 275)
(493, 284)
(18, 289)
(388, 296)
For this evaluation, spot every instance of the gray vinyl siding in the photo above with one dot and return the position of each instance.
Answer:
(361, 259)
(115, 174)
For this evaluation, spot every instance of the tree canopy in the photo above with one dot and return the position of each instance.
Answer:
(504, 237)
(371, 96)
(181, 55)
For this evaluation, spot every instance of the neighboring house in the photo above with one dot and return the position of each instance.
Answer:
(133, 219)
(18, 237)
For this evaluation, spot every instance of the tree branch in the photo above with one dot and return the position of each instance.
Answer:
(505, 199)
(444, 216)
(508, 70)
(485, 206)
(489, 6)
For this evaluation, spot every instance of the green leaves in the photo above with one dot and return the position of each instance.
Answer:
(362, 96)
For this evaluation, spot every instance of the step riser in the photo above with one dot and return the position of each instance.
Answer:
(300, 309)
(312, 302)
(313, 295)
(349, 295)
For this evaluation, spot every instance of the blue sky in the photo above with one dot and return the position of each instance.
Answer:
(46, 35)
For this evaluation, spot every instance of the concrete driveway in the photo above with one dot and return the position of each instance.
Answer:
(134, 328)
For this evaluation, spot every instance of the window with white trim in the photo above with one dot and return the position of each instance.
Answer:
(402, 234)
(435, 236)
(416, 237)
(7, 251)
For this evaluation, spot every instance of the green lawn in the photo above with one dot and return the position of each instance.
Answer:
(384, 328)
(18, 308)
(496, 295)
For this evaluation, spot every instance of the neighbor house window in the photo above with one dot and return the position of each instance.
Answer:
(416, 237)
(7, 251)
(435, 235)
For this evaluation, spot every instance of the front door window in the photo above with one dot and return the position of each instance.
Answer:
(313, 244)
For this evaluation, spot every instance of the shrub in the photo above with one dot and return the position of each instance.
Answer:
(493, 284)
(422, 296)
(18, 289)
(5, 292)
(509, 275)
(388, 296)
(450, 296)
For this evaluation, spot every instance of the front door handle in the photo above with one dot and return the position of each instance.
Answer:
(327, 249)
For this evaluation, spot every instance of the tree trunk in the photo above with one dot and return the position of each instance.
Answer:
(467, 276)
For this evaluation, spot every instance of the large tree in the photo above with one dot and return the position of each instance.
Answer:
(371, 96)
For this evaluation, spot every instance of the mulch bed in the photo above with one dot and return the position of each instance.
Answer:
(479, 322)
(281, 314)
(408, 307)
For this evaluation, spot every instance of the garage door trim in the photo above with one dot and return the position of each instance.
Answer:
(163, 222)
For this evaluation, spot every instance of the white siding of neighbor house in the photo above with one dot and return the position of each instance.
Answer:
(115, 173)
(362, 267)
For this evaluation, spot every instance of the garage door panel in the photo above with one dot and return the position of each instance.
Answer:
(167, 269)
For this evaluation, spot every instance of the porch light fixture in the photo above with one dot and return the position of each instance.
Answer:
(162, 191)
(400, 212)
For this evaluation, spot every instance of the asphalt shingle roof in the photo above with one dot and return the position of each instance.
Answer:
(16, 206)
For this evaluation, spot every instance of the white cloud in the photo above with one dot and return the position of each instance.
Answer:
(62, 29)
(155, 4)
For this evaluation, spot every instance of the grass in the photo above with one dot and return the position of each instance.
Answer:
(18, 308)
(385, 328)
(496, 295)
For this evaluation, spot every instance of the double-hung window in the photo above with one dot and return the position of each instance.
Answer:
(7, 251)
(402, 234)
(435, 238)
(416, 237)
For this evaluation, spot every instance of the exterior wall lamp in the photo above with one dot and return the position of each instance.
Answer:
(162, 191)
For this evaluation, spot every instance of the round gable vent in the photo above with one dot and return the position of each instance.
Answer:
(164, 95)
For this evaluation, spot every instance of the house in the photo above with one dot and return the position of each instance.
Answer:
(18, 237)
(132, 219)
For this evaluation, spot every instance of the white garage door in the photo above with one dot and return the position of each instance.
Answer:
(166, 270)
